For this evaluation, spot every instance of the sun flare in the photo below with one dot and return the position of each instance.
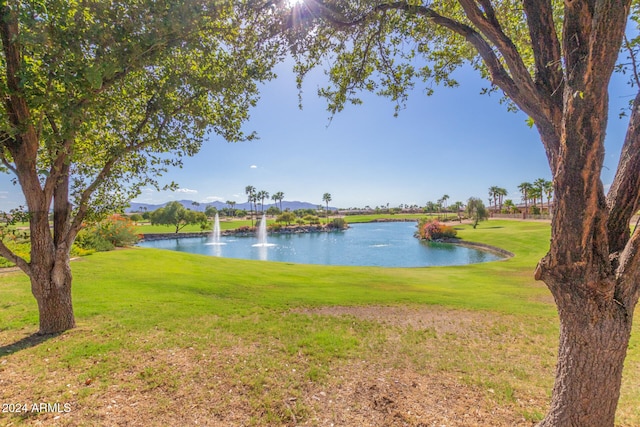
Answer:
(293, 3)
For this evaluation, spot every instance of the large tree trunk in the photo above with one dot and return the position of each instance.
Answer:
(50, 276)
(593, 346)
(51, 286)
(595, 318)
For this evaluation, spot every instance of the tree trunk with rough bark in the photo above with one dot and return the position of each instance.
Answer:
(52, 290)
(594, 336)
(49, 270)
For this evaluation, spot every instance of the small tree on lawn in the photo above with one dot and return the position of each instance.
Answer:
(476, 211)
(287, 217)
(176, 215)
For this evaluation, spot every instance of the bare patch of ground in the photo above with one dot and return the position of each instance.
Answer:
(443, 320)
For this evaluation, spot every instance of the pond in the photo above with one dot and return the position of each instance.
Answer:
(388, 244)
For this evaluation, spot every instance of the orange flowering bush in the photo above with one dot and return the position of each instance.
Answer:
(429, 229)
(114, 231)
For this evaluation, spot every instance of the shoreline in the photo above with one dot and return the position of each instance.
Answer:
(503, 253)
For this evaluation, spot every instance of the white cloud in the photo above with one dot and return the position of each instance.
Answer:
(186, 190)
(253, 167)
(4, 194)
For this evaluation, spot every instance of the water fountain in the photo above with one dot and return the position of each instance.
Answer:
(262, 234)
(215, 235)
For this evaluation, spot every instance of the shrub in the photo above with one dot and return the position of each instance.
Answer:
(115, 231)
(429, 229)
(338, 224)
(275, 227)
(90, 239)
(312, 219)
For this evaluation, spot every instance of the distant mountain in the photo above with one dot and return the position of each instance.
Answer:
(200, 207)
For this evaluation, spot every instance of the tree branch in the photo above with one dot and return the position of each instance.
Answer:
(18, 261)
(547, 52)
(549, 78)
(516, 84)
(634, 63)
(132, 147)
(623, 198)
(490, 28)
(628, 289)
(6, 162)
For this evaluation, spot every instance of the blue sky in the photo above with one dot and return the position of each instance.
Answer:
(455, 142)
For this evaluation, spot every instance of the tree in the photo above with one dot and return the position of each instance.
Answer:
(210, 211)
(525, 190)
(278, 198)
(261, 195)
(500, 192)
(287, 217)
(99, 99)
(553, 61)
(476, 211)
(250, 191)
(176, 215)
(458, 206)
(548, 190)
(541, 184)
(442, 202)
(430, 207)
(510, 206)
(232, 207)
(493, 195)
(326, 197)
(535, 194)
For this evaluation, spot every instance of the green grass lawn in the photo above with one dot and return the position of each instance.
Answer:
(147, 228)
(246, 341)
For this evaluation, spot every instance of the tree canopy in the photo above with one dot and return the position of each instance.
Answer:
(176, 215)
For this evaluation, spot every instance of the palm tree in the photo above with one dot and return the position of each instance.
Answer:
(548, 190)
(444, 199)
(493, 194)
(231, 204)
(326, 197)
(508, 204)
(501, 192)
(541, 184)
(278, 197)
(250, 191)
(525, 188)
(261, 196)
(535, 194)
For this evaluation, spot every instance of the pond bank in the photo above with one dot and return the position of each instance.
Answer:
(244, 232)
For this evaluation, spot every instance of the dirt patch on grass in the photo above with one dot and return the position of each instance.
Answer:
(443, 320)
